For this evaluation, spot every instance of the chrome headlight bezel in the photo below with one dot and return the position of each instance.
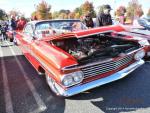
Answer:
(139, 55)
(72, 78)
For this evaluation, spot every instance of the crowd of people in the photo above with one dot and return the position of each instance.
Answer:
(103, 18)
(3, 30)
(15, 23)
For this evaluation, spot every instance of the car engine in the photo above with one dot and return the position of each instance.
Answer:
(97, 46)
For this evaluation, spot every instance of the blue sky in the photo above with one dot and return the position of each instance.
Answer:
(28, 6)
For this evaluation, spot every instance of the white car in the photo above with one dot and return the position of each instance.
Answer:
(145, 22)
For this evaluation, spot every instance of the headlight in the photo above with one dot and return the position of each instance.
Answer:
(68, 81)
(78, 76)
(139, 55)
(143, 42)
(72, 78)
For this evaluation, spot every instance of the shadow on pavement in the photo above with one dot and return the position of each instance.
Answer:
(53, 103)
(128, 94)
(22, 98)
(125, 95)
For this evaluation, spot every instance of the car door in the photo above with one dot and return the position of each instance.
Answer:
(27, 40)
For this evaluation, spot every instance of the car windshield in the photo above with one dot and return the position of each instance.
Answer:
(70, 25)
(48, 28)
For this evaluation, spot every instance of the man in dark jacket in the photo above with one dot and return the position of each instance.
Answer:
(1, 36)
(13, 27)
(13, 24)
(4, 30)
(104, 18)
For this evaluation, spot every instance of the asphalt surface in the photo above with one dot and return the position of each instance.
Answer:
(22, 90)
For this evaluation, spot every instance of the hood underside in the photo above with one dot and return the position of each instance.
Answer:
(96, 47)
(84, 33)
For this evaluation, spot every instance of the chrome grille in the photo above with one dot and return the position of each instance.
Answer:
(106, 67)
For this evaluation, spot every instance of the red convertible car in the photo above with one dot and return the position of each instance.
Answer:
(79, 59)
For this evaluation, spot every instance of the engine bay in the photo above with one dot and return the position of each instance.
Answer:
(96, 47)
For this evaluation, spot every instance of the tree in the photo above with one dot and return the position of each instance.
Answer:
(34, 16)
(3, 15)
(15, 13)
(55, 15)
(101, 8)
(64, 11)
(134, 9)
(71, 15)
(88, 7)
(63, 16)
(148, 14)
(43, 11)
(78, 12)
(77, 16)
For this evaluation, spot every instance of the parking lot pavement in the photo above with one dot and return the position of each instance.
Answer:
(22, 90)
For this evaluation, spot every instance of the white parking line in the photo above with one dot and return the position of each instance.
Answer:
(41, 105)
(7, 95)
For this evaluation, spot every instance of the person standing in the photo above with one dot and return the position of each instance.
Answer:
(1, 36)
(4, 30)
(88, 21)
(21, 23)
(122, 19)
(13, 26)
(104, 18)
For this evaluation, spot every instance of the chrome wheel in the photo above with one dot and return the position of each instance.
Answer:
(52, 84)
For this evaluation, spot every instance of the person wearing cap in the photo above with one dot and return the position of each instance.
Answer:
(104, 18)
(88, 21)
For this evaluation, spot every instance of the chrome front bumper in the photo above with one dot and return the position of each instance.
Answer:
(116, 76)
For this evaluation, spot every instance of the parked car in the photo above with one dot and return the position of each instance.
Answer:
(145, 22)
(51, 27)
(139, 31)
(76, 61)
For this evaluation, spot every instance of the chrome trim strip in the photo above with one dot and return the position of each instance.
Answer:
(111, 64)
(100, 69)
(87, 65)
(116, 76)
